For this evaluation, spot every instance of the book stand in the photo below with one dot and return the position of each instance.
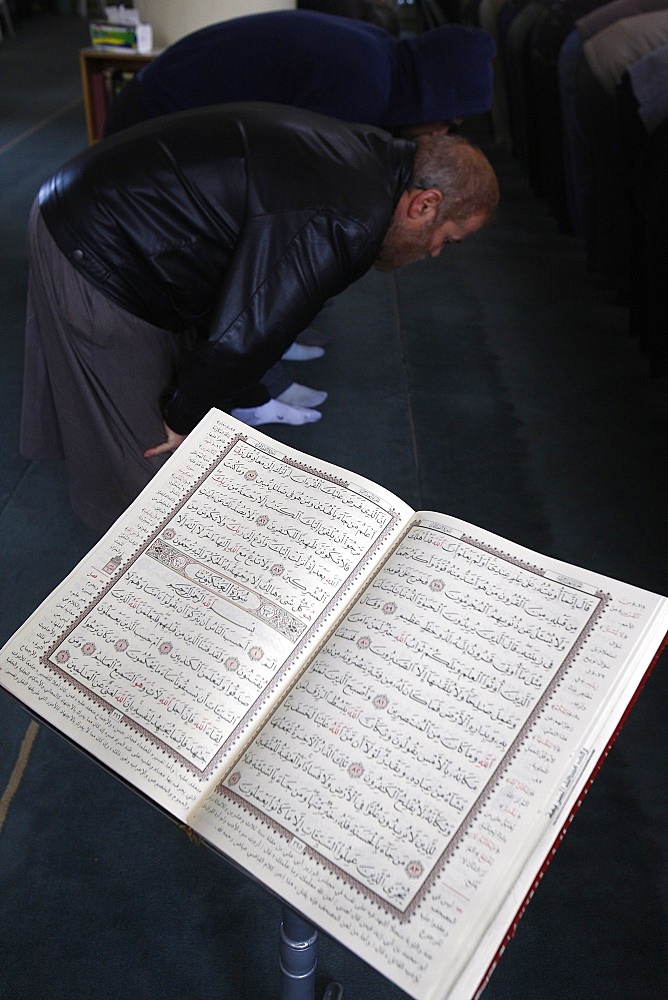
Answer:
(298, 959)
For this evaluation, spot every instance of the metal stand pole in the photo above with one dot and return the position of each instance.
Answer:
(298, 959)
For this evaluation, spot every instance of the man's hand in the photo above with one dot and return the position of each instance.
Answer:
(173, 440)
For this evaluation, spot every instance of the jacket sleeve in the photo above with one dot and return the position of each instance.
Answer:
(283, 270)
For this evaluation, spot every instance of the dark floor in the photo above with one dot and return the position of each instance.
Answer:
(497, 384)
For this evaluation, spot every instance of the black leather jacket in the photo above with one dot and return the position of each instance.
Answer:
(237, 221)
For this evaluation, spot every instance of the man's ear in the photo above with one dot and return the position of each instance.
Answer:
(423, 204)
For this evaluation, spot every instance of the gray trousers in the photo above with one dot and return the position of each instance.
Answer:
(92, 382)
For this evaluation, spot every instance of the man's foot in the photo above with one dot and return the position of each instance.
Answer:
(313, 337)
(275, 412)
(301, 395)
(302, 352)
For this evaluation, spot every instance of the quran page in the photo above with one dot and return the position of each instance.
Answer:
(164, 648)
(407, 793)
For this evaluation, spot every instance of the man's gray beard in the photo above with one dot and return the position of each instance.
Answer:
(399, 248)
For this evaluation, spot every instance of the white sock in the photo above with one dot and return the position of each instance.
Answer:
(303, 352)
(301, 395)
(275, 412)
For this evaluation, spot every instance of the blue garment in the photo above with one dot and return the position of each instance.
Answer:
(576, 149)
(338, 66)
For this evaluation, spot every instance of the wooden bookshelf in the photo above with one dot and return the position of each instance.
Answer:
(95, 65)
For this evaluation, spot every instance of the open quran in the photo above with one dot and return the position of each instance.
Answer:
(386, 717)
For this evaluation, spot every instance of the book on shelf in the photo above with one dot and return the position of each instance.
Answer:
(104, 85)
(386, 717)
(99, 100)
